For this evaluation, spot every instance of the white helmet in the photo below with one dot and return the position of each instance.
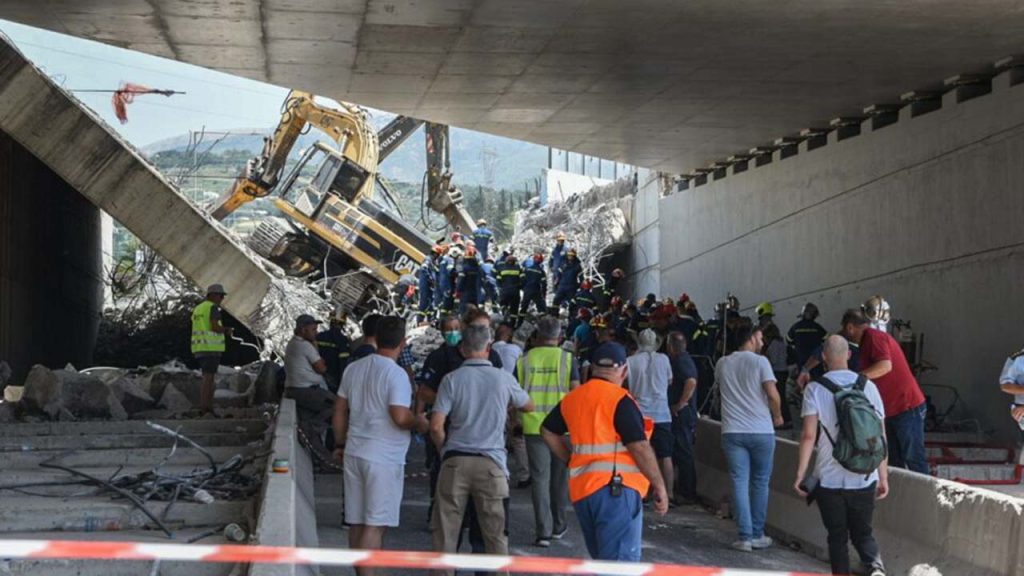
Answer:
(877, 311)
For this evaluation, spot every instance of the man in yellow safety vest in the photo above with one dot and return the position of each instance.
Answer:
(208, 338)
(547, 373)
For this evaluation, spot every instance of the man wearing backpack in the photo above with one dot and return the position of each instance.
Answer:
(843, 423)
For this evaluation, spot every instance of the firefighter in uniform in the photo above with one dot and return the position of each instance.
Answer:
(335, 349)
(510, 283)
(535, 285)
(468, 286)
(611, 463)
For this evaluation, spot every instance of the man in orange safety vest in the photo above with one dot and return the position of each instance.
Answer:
(611, 463)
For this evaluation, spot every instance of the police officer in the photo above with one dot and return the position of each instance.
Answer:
(535, 285)
(208, 341)
(510, 284)
(468, 286)
(482, 237)
(335, 349)
(568, 279)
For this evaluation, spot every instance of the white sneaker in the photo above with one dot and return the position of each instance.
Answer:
(877, 572)
(742, 546)
(761, 543)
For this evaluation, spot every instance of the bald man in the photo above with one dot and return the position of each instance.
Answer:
(846, 499)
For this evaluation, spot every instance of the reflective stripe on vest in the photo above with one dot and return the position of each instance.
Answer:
(204, 339)
(545, 374)
(597, 450)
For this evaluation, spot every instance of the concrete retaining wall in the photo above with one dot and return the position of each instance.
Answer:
(960, 529)
(644, 251)
(286, 507)
(925, 211)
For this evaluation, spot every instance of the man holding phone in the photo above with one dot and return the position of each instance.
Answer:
(846, 499)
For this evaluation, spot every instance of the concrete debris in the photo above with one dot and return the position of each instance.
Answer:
(423, 340)
(924, 570)
(133, 397)
(5, 373)
(594, 223)
(13, 393)
(42, 391)
(8, 412)
(274, 320)
(173, 400)
(69, 395)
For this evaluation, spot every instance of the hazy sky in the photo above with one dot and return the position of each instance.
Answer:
(218, 101)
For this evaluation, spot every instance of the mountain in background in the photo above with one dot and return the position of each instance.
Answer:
(478, 159)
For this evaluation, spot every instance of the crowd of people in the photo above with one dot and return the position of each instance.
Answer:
(596, 406)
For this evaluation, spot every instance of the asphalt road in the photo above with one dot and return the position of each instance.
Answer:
(687, 535)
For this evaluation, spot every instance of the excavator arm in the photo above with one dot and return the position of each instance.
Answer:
(442, 196)
(349, 127)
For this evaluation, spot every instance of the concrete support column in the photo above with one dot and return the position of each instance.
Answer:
(51, 290)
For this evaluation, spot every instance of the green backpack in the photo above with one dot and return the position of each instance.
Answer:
(860, 444)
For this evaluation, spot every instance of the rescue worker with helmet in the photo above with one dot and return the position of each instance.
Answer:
(510, 284)
(482, 237)
(557, 258)
(427, 276)
(535, 285)
(469, 286)
(568, 279)
(611, 463)
(584, 298)
(611, 286)
(209, 341)
(490, 282)
(806, 335)
(444, 295)
(335, 349)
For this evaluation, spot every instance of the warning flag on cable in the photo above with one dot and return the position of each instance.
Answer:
(126, 94)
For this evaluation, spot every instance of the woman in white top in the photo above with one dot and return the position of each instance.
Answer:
(750, 412)
(650, 375)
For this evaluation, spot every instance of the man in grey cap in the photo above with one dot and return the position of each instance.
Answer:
(208, 341)
(304, 381)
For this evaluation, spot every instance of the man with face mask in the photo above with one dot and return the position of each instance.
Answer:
(442, 361)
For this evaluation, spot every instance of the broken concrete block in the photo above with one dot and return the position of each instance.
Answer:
(13, 393)
(8, 412)
(43, 390)
(5, 373)
(230, 399)
(106, 374)
(132, 396)
(187, 383)
(174, 400)
(237, 381)
(87, 397)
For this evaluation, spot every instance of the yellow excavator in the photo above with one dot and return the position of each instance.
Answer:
(335, 230)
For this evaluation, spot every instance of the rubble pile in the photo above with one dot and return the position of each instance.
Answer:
(422, 340)
(595, 222)
(169, 390)
(274, 321)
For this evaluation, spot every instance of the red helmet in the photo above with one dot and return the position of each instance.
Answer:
(616, 301)
(586, 285)
(538, 258)
(470, 252)
(584, 313)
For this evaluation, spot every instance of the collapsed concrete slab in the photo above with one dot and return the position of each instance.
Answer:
(110, 173)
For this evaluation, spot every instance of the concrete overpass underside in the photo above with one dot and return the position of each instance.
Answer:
(671, 86)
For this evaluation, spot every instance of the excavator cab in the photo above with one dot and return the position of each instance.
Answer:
(321, 171)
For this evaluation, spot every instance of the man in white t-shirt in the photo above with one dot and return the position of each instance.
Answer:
(372, 420)
(751, 408)
(650, 375)
(508, 350)
(845, 499)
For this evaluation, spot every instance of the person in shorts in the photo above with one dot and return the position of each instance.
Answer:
(372, 420)
(650, 376)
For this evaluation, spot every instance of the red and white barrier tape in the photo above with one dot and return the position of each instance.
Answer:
(92, 550)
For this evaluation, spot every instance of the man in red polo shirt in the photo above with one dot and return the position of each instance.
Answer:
(883, 362)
